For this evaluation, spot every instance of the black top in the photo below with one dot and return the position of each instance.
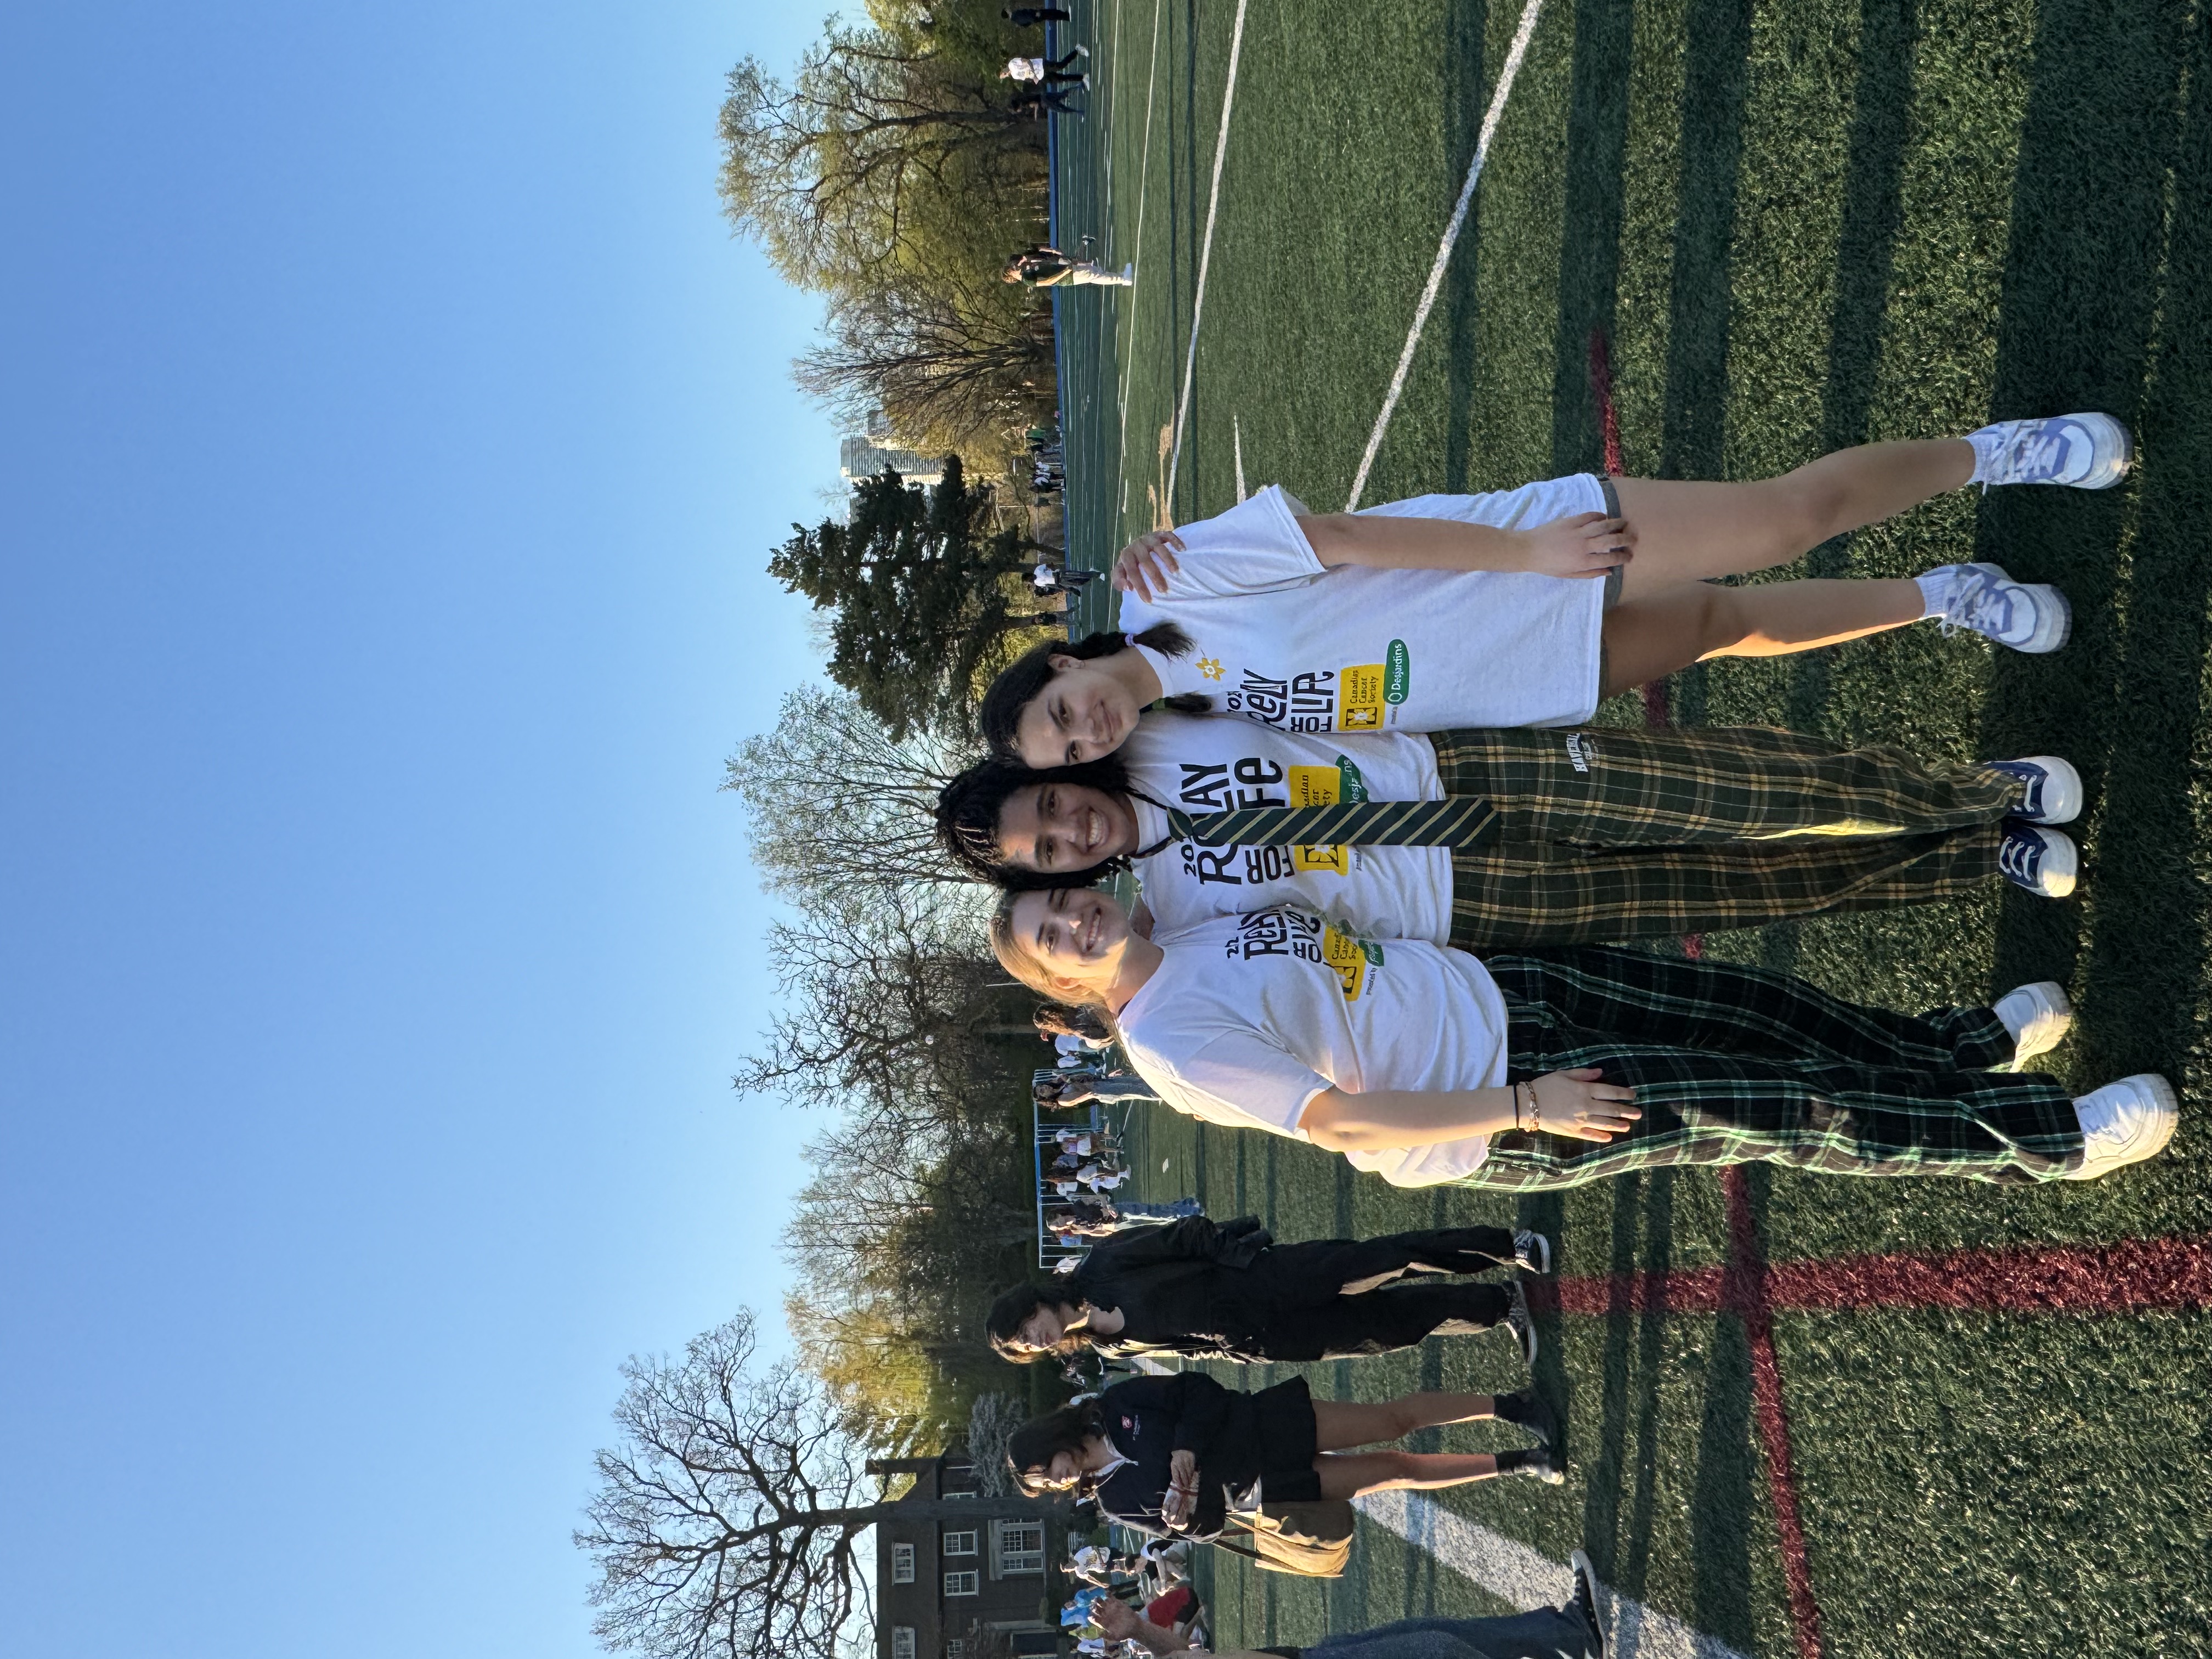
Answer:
(1190, 1288)
(1148, 1420)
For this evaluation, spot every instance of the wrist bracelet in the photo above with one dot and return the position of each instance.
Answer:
(1535, 1110)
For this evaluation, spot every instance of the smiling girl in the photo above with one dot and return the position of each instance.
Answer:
(1552, 1069)
(1500, 609)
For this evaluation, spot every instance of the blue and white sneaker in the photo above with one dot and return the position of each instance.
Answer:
(2082, 452)
(2124, 1122)
(1981, 598)
(2045, 861)
(1532, 1251)
(2053, 788)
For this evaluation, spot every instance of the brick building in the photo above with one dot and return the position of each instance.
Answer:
(940, 1576)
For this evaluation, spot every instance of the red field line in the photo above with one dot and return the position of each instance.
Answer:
(2131, 1276)
(1747, 1282)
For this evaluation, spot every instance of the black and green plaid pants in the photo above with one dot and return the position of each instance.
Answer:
(1606, 833)
(1738, 1065)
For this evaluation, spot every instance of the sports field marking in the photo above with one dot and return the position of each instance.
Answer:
(1137, 259)
(1205, 246)
(1520, 50)
(2131, 1276)
(1748, 1258)
(1237, 428)
(1513, 1572)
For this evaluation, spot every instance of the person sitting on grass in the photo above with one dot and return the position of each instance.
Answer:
(1550, 1069)
(1595, 833)
(1227, 1291)
(1176, 1453)
(1572, 1632)
(1445, 611)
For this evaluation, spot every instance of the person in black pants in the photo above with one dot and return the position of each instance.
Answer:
(1572, 1632)
(1227, 1291)
(1032, 17)
(1176, 1453)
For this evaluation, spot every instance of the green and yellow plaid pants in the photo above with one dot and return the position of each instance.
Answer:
(1737, 1065)
(1606, 833)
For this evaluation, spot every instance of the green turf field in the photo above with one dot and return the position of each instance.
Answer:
(1801, 226)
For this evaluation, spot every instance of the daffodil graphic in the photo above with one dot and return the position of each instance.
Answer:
(1210, 667)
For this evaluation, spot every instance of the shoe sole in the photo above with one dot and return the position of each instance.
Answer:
(2157, 1136)
(2060, 870)
(2054, 615)
(2061, 792)
(2055, 1029)
(1543, 1255)
(2109, 431)
(1525, 1334)
(2161, 1135)
(1578, 1563)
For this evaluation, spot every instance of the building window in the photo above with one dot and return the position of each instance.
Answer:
(959, 1543)
(902, 1564)
(956, 1651)
(902, 1641)
(963, 1583)
(1018, 1547)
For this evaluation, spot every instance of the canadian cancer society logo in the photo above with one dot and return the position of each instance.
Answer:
(1364, 691)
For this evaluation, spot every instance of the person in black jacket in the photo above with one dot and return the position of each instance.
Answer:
(1227, 1291)
(1175, 1453)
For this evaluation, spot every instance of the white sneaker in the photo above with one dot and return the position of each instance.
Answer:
(2084, 452)
(2031, 616)
(2124, 1122)
(2053, 788)
(2045, 861)
(2037, 1016)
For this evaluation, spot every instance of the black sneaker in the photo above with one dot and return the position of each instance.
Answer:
(1585, 1602)
(1527, 1410)
(1517, 1321)
(1532, 1252)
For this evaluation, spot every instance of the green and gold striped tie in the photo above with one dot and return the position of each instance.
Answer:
(1456, 820)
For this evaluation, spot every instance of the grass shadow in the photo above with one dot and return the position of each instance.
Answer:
(2105, 308)
(1589, 244)
(1464, 94)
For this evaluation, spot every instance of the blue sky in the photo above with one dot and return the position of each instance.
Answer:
(393, 438)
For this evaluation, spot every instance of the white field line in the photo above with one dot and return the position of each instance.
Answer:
(1143, 178)
(1520, 50)
(1236, 427)
(1206, 252)
(1513, 1572)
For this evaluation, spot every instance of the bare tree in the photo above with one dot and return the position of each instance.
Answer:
(838, 808)
(729, 1515)
(955, 362)
(886, 1001)
(829, 171)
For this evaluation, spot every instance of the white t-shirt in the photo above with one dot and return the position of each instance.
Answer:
(1282, 640)
(1251, 1017)
(1210, 763)
(1025, 69)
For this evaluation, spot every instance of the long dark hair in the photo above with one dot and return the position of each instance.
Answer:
(968, 809)
(1038, 1441)
(1020, 680)
(1003, 1324)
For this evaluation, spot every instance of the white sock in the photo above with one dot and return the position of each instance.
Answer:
(1988, 443)
(1936, 589)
